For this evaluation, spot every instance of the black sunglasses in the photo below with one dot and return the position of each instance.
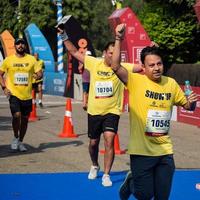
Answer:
(20, 42)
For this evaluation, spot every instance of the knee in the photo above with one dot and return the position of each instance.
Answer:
(17, 115)
(93, 143)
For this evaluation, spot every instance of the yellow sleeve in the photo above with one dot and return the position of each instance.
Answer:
(89, 62)
(128, 66)
(38, 66)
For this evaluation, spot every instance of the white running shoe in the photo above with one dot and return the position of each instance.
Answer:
(106, 182)
(21, 147)
(93, 172)
(15, 143)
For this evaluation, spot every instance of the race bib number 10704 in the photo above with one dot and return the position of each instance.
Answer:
(103, 89)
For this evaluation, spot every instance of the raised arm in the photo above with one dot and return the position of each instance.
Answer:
(119, 70)
(70, 46)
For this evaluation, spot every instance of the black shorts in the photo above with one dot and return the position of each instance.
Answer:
(35, 85)
(86, 87)
(17, 105)
(98, 124)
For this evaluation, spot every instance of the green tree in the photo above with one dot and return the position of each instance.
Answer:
(100, 32)
(7, 10)
(174, 27)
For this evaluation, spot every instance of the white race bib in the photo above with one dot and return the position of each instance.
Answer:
(158, 122)
(21, 79)
(103, 89)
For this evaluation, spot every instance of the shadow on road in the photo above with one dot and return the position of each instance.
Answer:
(5, 123)
(5, 150)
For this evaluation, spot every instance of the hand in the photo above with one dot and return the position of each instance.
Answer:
(59, 30)
(120, 31)
(62, 34)
(192, 97)
(35, 76)
(153, 44)
(7, 92)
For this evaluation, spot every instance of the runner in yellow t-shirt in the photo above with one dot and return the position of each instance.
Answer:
(151, 98)
(37, 84)
(19, 70)
(104, 105)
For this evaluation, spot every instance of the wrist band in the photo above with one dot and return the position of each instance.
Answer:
(64, 36)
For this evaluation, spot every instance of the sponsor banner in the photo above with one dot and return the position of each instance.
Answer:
(135, 38)
(38, 44)
(7, 42)
(54, 83)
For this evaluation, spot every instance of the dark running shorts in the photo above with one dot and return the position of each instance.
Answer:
(86, 87)
(35, 85)
(98, 124)
(17, 105)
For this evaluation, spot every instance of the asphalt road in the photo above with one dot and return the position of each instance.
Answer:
(49, 153)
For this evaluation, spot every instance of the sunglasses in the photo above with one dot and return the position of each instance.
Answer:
(20, 42)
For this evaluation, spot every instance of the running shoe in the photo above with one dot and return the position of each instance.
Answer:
(15, 143)
(93, 172)
(21, 147)
(106, 182)
(41, 105)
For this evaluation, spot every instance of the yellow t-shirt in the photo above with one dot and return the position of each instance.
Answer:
(40, 63)
(150, 106)
(106, 90)
(19, 74)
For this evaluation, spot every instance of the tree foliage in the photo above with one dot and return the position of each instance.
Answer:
(174, 27)
(170, 23)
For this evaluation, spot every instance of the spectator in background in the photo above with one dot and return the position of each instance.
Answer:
(85, 82)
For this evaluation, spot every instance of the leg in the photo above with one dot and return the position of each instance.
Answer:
(23, 127)
(94, 132)
(16, 121)
(40, 95)
(26, 108)
(142, 168)
(163, 177)
(94, 150)
(109, 151)
(110, 127)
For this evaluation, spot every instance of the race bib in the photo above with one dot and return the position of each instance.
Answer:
(103, 89)
(21, 79)
(158, 123)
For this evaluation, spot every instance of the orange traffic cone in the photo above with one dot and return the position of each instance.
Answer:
(68, 129)
(33, 115)
(116, 146)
